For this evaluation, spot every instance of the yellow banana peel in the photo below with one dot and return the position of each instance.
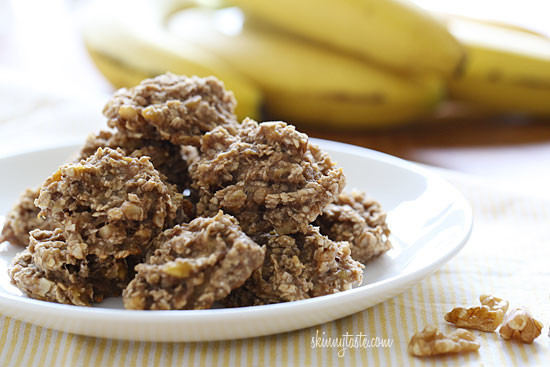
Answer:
(507, 69)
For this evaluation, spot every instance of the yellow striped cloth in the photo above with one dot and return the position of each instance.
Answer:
(506, 256)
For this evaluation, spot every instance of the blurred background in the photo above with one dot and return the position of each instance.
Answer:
(459, 85)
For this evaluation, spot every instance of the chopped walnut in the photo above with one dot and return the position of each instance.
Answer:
(355, 218)
(519, 324)
(494, 303)
(23, 218)
(193, 265)
(170, 107)
(268, 176)
(430, 342)
(481, 318)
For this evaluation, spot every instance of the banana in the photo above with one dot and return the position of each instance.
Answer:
(507, 70)
(117, 73)
(128, 43)
(304, 83)
(390, 33)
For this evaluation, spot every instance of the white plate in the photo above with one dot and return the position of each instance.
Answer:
(429, 219)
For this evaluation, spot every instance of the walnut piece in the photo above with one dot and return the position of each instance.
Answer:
(494, 303)
(430, 342)
(519, 324)
(486, 317)
(481, 318)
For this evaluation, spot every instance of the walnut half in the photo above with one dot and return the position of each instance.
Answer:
(486, 317)
(479, 318)
(520, 324)
(430, 342)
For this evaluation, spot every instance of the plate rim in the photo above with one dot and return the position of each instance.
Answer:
(90, 314)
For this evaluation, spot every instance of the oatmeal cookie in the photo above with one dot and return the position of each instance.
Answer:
(23, 218)
(360, 220)
(112, 204)
(171, 107)
(53, 270)
(169, 159)
(268, 176)
(193, 265)
(33, 282)
(298, 266)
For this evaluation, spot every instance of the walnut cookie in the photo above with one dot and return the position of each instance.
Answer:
(109, 208)
(269, 176)
(173, 108)
(193, 265)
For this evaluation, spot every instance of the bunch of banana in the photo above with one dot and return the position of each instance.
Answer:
(507, 68)
(338, 63)
(299, 80)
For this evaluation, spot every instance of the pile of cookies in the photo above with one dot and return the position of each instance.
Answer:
(179, 206)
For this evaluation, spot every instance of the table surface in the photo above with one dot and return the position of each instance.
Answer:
(512, 150)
